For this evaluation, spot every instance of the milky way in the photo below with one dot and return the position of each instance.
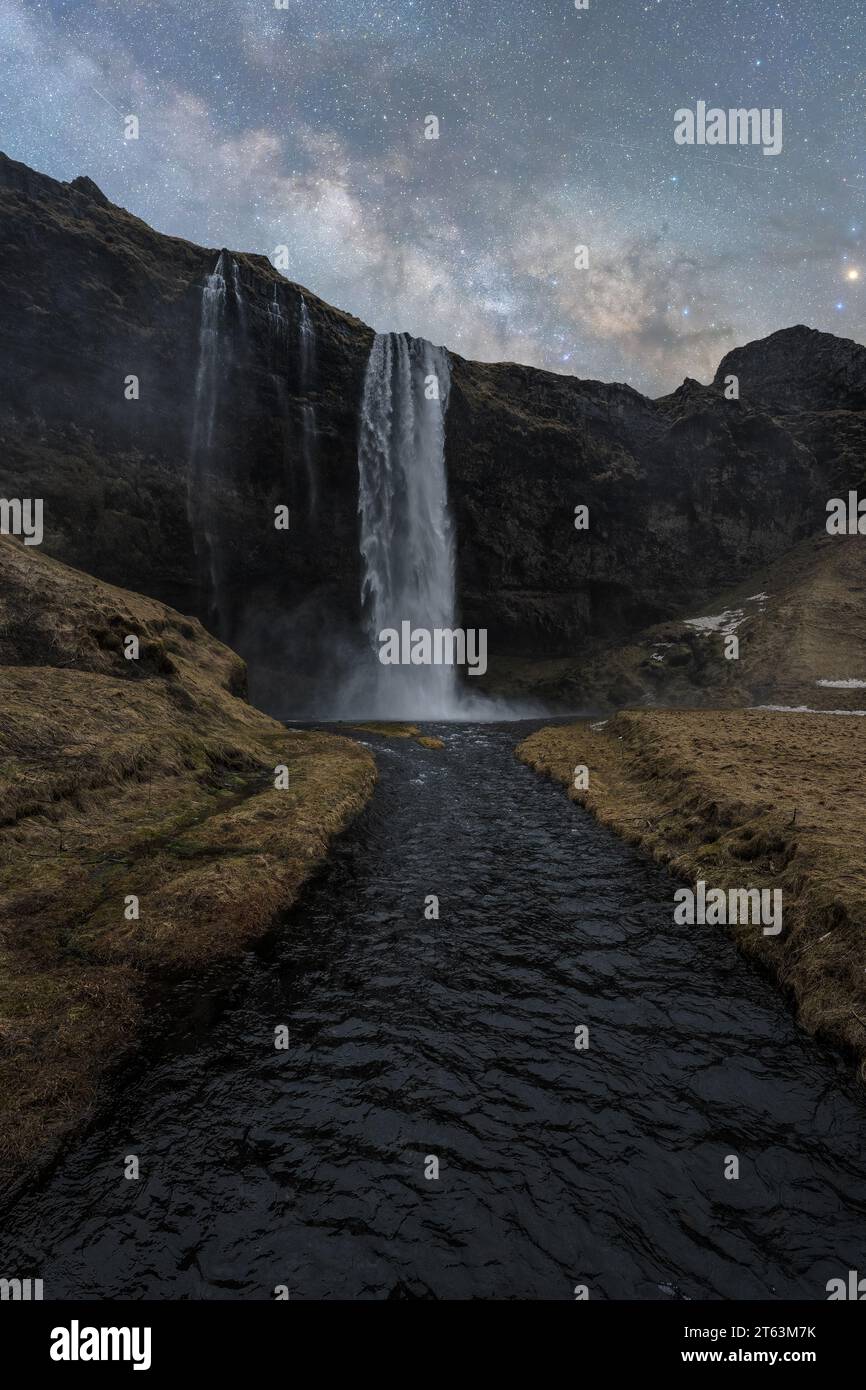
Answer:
(305, 127)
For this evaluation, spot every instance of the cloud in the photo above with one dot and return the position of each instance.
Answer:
(304, 128)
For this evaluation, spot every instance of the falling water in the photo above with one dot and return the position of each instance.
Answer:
(276, 314)
(201, 512)
(212, 313)
(407, 543)
(307, 345)
(239, 298)
(217, 353)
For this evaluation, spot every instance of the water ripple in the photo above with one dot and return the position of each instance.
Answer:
(455, 1038)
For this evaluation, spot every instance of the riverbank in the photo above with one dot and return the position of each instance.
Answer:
(745, 798)
(453, 1033)
(144, 829)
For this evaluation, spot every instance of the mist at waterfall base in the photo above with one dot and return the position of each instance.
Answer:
(407, 546)
(406, 536)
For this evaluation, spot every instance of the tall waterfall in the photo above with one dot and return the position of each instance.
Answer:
(201, 511)
(407, 541)
(213, 302)
(221, 342)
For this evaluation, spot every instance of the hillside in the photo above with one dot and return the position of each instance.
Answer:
(150, 778)
(801, 628)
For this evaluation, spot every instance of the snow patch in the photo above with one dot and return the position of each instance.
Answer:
(807, 709)
(725, 623)
(728, 621)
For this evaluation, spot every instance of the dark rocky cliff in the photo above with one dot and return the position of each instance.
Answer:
(92, 295)
(687, 494)
(683, 493)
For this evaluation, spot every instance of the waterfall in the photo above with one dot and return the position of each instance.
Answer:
(278, 323)
(201, 510)
(407, 542)
(239, 298)
(218, 353)
(307, 344)
(213, 303)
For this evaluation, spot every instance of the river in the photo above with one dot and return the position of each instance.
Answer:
(454, 1039)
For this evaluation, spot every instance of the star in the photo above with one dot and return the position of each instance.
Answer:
(304, 125)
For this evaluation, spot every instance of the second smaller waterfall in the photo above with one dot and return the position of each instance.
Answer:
(213, 303)
(222, 346)
(201, 513)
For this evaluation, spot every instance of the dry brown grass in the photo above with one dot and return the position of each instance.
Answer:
(398, 730)
(746, 798)
(149, 778)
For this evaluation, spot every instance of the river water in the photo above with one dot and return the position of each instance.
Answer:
(455, 1039)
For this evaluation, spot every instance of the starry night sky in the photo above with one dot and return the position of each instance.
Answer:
(304, 127)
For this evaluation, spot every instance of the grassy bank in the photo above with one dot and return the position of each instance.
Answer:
(148, 779)
(398, 730)
(745, 798)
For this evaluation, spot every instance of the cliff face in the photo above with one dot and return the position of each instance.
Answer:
(683, 493)
(173, 494)
(93, 296)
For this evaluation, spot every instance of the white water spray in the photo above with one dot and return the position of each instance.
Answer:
(215, 357)
(199, 493)
(407, 540)
(213, 303)
(278, 322)
(307, 345)
(239, 298)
